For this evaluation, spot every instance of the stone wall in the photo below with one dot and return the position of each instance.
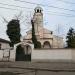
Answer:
(7, 55)
(41, 54)
(53, 54)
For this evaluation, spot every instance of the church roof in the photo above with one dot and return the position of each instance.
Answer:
(45, 31)
(57, 37)
(4, 41)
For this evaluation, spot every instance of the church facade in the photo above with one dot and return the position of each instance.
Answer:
(44, 36)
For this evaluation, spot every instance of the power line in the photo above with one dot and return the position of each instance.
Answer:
(15, 6)
(8, 8)
(30, 8)
(62, 14)
(49, 12)
(45, 5)
(66, 2)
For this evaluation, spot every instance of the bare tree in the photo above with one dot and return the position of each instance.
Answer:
(4, 20)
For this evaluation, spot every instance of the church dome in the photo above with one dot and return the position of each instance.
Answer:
(38, 9)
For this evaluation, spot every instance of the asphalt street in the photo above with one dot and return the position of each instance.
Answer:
(38, 68)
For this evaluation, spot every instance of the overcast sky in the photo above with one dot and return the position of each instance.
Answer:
(56, 15)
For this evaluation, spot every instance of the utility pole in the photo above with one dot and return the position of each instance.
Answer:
(58, 35)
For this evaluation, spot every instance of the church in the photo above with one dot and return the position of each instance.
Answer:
(43, 35)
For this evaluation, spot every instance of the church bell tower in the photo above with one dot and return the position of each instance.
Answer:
(38, 19)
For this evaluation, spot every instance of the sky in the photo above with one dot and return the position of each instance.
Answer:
(59, 15)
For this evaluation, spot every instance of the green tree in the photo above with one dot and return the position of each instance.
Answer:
(37, 44)
(13, 32)
(71, 38)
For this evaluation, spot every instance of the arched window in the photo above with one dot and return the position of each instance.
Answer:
(46, 45)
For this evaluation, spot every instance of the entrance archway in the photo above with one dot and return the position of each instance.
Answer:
(23, 51)
(46, 45)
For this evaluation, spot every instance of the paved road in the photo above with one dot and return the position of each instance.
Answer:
(30, 72)
(38, 68)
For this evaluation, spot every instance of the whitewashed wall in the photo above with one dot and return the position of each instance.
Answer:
(7, 55)
(4, 55)
(4, 45)
(12, 55)
(73, 55)
(1, 55)
(53, 54)
(46, 54)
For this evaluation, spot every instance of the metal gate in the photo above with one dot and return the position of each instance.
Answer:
(23, 54)
(27, 53)
(27, 57)
(20, 55)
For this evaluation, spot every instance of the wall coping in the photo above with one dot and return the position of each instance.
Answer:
(55, 49)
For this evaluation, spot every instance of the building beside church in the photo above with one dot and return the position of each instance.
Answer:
(44, 36)
(4, 44)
